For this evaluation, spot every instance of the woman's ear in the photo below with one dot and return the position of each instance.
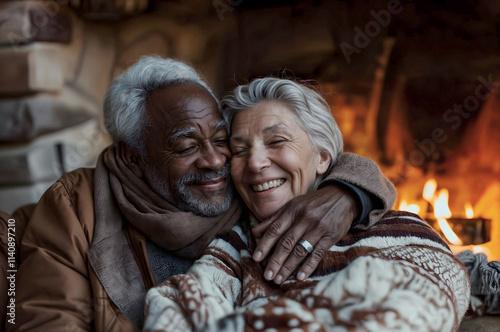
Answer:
(323, 162)
(132, 159)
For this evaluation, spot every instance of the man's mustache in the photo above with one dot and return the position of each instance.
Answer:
(190, 178)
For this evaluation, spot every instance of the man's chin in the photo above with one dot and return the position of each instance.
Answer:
(212, 198)
(209, 204)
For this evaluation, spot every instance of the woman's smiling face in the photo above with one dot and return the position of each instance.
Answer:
(273, 158)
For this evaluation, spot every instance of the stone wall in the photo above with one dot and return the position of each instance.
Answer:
(51, 91)
(58, 59)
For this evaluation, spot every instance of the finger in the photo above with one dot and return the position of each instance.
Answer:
(297, 256)
(310, 265)
(259, 230)
(327, 239)
(283, 249)
(271, 236)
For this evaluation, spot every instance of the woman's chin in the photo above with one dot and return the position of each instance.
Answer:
(263, 217)
(264, 214)
(264, 210)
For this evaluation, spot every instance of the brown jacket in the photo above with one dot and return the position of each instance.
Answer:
(58, 289)
(11, 233)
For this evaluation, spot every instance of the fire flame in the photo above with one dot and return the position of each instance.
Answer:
(449, 233)
(413, 208)
(429, 190)
(434, 201)
(441, 208)
(442, 211)
(469, 212)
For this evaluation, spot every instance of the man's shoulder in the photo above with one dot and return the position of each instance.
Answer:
(69, 201)
(77, 180)
(75, 188)
(78, 176)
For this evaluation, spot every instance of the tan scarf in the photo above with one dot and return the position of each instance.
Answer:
(182, 233)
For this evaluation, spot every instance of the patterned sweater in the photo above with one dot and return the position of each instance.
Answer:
(398, 275)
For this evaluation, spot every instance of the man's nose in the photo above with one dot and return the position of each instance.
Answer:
(211, 158)
(258, 160)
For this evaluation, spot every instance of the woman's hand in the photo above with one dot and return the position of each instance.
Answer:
(321, 217)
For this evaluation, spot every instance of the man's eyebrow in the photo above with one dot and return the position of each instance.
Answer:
(187, 131)
(221, 124)
(183, 132)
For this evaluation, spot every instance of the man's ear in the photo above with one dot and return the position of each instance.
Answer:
(132, 159)
(323, 162)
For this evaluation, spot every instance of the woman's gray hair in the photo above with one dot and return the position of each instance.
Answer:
(309, 106)
(125, 115)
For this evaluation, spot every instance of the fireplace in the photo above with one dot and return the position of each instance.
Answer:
(474, 228)
(447, 174)
(471, 176)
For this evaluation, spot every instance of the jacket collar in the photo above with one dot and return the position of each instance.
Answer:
(111, 256)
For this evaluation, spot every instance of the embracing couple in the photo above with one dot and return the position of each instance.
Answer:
(307, 241)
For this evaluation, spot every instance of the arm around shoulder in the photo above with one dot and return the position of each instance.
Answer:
(365, 174)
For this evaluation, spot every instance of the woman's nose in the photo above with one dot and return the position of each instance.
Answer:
(258, 160)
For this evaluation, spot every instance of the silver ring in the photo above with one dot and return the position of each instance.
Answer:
(307, 246)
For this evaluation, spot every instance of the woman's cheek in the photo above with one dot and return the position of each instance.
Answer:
(237, 168)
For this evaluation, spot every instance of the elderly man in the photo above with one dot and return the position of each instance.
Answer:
(100, 238)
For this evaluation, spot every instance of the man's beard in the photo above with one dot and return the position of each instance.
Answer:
(184, 199)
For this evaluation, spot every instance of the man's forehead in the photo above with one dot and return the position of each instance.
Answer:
(177, 105)
(177, 98)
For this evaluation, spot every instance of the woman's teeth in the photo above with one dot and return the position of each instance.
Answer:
(268, 185)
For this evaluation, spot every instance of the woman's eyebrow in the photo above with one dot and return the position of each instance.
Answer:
(274, 128)
(237, 138)
(279, 127)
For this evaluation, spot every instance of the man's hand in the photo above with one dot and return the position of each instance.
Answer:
(322, 218)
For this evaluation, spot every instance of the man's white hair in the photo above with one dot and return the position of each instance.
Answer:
(125, 115)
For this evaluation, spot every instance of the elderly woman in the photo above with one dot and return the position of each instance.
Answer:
(396, 275)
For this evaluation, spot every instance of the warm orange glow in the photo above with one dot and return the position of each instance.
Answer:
(469, 212)
(485, 207)
(483, 250)
(413, 208)
(429, 190)
(441, 209)
(448, 232)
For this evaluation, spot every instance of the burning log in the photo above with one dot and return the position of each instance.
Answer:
(470, 231)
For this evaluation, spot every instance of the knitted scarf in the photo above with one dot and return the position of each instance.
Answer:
(120, 196)
(183, 233)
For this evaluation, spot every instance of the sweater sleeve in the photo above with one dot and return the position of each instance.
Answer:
(53, 292)
(207, 292)
(367, 176)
